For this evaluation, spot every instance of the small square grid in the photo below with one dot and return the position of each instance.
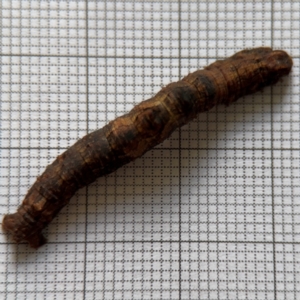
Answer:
(227, 271)
(43, 101)
(132, 270)
(58, 269)
(226, 195)
(50, 28)
(143, 207)
(214, 28)
(211, 213)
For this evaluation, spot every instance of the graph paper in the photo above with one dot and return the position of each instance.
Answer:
(212, 213)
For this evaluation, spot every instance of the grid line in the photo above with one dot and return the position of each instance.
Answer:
(272, 166)
(179, 158)
(87, 131)
(119, 56)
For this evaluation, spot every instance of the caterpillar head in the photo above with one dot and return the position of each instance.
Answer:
(278, 63)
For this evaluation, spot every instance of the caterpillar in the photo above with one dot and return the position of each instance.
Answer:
(145, 126)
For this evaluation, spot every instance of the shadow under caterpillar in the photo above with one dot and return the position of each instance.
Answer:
(145, 126)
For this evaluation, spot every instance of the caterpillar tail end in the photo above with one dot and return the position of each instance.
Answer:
(12, 223)
(37, 240)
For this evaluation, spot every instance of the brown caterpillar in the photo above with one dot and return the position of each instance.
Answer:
(146, 125)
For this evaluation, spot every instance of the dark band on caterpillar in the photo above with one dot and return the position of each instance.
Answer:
(146, 125)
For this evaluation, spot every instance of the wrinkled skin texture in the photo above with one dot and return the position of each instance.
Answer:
(146, 125)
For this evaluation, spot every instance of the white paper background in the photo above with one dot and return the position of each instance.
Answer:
(212, 213)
